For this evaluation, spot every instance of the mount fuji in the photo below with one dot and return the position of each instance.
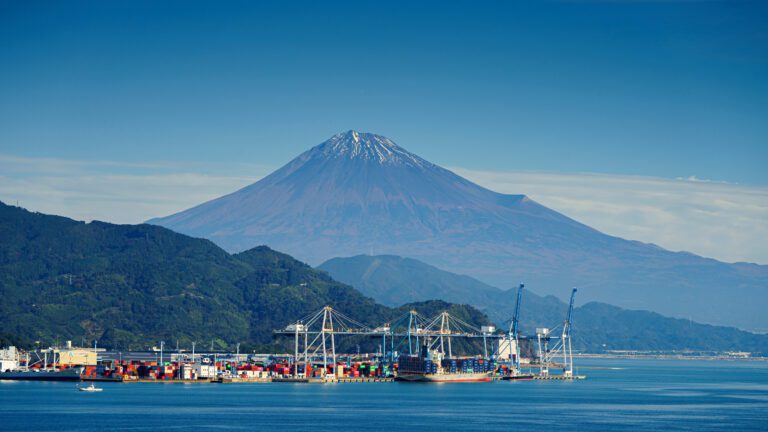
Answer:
(362, 193)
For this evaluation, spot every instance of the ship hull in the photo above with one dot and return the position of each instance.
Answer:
(67, 375)
(443, 378)
(521, 377)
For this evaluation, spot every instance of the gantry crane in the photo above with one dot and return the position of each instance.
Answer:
(562, 347)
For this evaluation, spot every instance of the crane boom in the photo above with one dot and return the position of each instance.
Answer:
(567, 329)
(516, 317)
(566, 341)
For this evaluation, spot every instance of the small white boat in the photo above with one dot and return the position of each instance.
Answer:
(90, 388)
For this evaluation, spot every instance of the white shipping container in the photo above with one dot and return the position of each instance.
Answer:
(205, 370)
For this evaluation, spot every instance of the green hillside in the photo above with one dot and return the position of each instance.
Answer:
(130, 286)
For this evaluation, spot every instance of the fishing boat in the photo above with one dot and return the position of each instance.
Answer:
(91, 388)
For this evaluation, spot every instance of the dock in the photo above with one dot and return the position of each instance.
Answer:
(365, 379)
(559, 377)
(334, 380)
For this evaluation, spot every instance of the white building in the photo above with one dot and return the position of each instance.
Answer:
(9, 359)
(506, 348)
(204, 370)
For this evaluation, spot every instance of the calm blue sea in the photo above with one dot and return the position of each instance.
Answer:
(636, 395)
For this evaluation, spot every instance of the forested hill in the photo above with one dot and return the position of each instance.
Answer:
(130, 286)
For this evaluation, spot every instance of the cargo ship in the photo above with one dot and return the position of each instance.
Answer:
(431, 366)
(14, 366)
(71, 374)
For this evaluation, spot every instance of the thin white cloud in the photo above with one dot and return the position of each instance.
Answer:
(118, 199)
(720, 220)
(91, 190)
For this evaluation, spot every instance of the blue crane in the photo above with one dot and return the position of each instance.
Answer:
(567, 324)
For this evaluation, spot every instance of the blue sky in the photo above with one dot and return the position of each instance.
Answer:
(667, 88)
(663, 89)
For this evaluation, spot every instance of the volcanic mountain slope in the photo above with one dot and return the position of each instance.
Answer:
(359, 192)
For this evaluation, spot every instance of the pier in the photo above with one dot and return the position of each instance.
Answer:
(412, 347)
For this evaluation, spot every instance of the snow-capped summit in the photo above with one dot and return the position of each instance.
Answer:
(367, 146)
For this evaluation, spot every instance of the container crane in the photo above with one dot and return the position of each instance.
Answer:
(567, 352)
(514, 327)
(563, 344)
